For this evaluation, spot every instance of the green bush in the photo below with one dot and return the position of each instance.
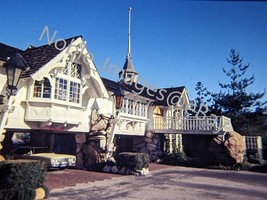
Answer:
(133, 161)
(177, 158)
(20, 178)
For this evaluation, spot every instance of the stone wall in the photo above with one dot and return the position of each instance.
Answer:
(155, 145)
(150, 144)
(91, 147)
(89, 150)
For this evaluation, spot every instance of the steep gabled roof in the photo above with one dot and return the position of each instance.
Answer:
(7, 51)
(162, 96)
(39, 56)
(36, 57)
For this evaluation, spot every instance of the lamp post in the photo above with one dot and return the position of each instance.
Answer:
(119, 95)
(14, 67)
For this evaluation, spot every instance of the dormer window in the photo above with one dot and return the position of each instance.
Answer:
(68, 83)
(42, 89)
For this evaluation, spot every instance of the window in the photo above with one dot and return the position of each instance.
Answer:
(61, 89)
(74, 92)
(75, 70)
(68, 83)
(42, 89)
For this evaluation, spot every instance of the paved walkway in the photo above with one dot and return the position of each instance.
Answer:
(173, 183)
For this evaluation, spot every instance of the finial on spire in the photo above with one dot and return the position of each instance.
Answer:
(129, 33)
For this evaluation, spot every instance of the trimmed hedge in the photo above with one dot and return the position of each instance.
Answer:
(20, 178)
(133, 161)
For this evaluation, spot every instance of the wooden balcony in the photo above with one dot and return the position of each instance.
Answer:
(208, 125)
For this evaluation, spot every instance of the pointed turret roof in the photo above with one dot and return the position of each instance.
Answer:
(128, 65)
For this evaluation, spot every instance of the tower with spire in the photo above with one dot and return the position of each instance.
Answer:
(128, 74)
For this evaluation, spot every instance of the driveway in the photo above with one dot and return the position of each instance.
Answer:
(173, 183)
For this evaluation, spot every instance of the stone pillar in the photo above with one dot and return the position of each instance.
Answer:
(150, 144)
(92, 154)
(80, 139)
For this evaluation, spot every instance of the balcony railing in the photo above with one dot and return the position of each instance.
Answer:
(213, 124)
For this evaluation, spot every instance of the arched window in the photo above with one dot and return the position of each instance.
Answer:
(42, 89)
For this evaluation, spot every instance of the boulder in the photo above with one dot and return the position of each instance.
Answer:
(98, 122)
(100, 125)
(106, 169)
(122, 170)
(148, 140)
(143, 150)
(236, 146)
(230, 151)
(149, 135)
(128, 171)
(114, 169)
(151, 147)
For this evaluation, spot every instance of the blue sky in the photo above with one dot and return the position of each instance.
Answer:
(174, 43)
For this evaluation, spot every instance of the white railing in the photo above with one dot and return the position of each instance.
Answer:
(225, 124)
(253, 142)
(202, 123)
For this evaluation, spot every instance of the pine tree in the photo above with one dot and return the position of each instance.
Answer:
(247, 112)
(202, 95)
(234, 99)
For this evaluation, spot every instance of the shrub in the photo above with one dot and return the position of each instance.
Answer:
(133, 161)
(20, 178)
(177, 158)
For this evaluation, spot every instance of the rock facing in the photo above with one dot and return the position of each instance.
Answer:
(230, 151)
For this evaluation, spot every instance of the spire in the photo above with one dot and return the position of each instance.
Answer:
(128, 68)
(129, 32)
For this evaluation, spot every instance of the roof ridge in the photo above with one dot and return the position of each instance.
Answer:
(67, 39)
(7, 45)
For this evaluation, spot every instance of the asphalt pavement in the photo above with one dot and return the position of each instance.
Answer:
(172, 183)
